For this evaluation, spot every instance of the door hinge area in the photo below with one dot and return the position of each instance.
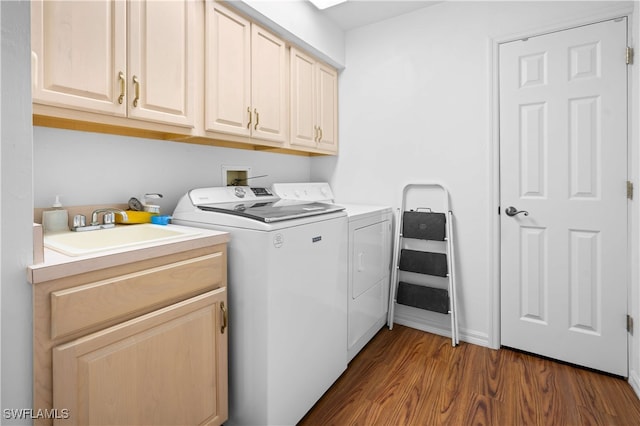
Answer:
(630, 190)
(630, 324)
(629, 55)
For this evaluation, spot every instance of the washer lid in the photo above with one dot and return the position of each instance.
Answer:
(272, 211)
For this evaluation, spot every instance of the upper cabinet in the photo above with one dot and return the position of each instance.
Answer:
(160, 66)
(269, 85)
(227, 72)
(88, 56)
(245, 77)
(187, 70)
(79, 54)
(314, 103)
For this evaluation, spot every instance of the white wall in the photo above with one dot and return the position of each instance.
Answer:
(91, 168)
(416, 105)
(299, 22)
(16, 207)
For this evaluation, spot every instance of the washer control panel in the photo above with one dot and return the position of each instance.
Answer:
(306, 191)
(261, 192)
(230, 194)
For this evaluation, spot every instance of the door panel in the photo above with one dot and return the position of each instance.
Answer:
(163, 86)
(328, 108)
(367, 258)
(168, 367)
(563, 160)
(79, 50)
(268, 85)
(303, 100)
(227, 71)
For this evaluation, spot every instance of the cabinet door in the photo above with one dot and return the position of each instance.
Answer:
(227, 71)
(161, 54)
(303, 100)
(327, 115)
(268, 86)
(79, 54)
(166, 367)
(314, 103)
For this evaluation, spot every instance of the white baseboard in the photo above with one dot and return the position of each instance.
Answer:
(634, 381)
(435, 327)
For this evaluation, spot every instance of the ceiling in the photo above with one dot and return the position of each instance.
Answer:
(356, 13)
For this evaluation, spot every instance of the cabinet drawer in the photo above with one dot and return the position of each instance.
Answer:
(105, 301)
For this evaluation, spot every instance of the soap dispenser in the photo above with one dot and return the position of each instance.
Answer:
(55, 219)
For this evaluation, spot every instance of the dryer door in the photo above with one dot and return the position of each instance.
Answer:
(368, 254)
(368, 280)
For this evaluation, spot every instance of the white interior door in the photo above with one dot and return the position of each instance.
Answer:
(563, 159)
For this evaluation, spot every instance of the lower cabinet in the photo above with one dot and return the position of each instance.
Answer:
(166, 367)
(141, 343)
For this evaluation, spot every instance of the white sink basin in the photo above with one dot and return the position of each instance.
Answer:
(81, 243)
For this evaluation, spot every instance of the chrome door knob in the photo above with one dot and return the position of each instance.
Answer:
(512, 211)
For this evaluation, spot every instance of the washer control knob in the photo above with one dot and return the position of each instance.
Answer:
(240, 192)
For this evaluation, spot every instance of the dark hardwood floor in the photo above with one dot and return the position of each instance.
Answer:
(408, 377)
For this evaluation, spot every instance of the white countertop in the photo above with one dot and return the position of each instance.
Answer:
(57, 265)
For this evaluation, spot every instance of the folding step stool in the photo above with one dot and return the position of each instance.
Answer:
(413, 227)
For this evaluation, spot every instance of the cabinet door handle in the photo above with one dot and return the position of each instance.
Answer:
(136, 85)
(257, 119)
(224, 317)
(250, 117)
(122, 80)
(320, 135)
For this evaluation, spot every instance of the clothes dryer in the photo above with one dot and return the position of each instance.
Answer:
(369, 242)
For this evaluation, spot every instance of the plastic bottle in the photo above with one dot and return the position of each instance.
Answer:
(55, 219)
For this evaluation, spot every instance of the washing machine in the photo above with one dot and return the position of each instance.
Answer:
(287, 294)
(369, 242)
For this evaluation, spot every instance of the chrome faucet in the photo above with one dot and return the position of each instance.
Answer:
(108, 219)
(108, 216)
